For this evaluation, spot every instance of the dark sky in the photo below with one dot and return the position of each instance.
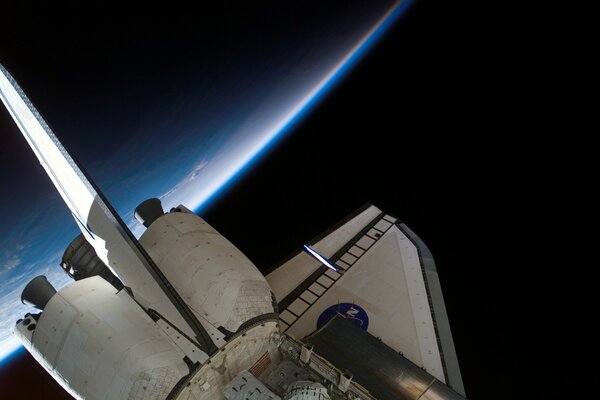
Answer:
(430, 127)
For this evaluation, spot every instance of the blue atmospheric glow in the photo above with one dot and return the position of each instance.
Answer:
(319, 257)
(340, 71)
(319, 92)
(11, 354)
(10, 350)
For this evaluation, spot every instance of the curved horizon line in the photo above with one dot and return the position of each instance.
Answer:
(308, 102)
(303, 106)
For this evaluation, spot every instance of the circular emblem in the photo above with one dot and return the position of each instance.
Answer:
(352, 312)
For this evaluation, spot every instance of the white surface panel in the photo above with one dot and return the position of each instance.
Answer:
(285, 278)
(388, 282)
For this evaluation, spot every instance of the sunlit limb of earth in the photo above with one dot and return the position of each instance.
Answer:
(207, 178)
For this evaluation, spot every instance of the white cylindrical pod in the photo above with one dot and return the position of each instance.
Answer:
(99, 344)
(217, 281)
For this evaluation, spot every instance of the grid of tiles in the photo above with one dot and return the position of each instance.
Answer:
(325, 281)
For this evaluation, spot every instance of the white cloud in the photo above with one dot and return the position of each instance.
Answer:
(178, 194)
(13, 262)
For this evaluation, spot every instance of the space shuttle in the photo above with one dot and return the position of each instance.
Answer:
(182, 314)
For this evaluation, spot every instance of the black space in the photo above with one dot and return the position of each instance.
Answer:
(437, 127)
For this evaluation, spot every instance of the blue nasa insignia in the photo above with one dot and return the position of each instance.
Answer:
(352, 312)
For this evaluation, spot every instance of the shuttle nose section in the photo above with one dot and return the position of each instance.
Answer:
(38, 292)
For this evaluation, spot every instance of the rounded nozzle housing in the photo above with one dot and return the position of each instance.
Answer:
(38, 292)
(149, 211)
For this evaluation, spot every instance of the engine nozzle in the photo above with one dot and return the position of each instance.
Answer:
(149, 211)
(38, 292)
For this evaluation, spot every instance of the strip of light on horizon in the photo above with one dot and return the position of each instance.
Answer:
(8, 347)
(303, 105)
(319, 257)
(278, 129)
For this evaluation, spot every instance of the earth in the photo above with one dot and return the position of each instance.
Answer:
(188, 158)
